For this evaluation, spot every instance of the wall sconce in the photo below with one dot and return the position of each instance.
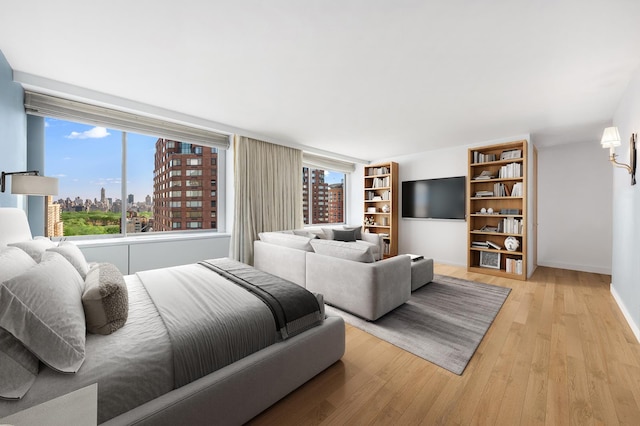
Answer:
(611, 139)
(30, 183)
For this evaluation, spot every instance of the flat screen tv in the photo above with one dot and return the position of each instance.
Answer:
(434, 198)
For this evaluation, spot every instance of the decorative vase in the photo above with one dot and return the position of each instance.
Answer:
(511, 243)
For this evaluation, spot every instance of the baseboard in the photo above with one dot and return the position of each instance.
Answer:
(574, 267)
(625, 312)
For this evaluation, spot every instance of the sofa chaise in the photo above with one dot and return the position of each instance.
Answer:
(347, 273)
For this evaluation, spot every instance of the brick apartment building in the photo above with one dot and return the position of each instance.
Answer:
(336, 203)
(315, 196)
(184, 186)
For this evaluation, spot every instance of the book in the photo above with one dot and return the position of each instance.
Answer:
(494, 245)
(415, 257)
(485, 174)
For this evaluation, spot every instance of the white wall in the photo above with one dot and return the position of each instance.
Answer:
(625, 278)
(574, 207)
(562, 241)
(13, 132)
(445, 241)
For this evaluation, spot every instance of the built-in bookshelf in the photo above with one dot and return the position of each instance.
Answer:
(497, 209)
(381, 204)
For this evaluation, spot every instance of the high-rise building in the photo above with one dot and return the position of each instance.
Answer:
(130, 199)
(102, 195)
(184, 186)
(54, 227)
(336, 203)
(315, 197)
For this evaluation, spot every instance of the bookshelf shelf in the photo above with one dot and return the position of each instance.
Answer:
(505, 173)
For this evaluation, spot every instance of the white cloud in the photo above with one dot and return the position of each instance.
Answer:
(95, 133)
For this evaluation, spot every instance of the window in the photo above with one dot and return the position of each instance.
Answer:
(88, 161)
(323, 199)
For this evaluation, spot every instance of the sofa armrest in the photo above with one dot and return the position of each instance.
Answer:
(376, 239)
(371, 237)
(368, 290)
(284, 262)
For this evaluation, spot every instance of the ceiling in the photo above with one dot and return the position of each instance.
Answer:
(362, 78)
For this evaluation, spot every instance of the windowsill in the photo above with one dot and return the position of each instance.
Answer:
(145, 239)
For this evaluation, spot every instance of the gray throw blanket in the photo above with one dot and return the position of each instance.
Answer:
(211, 321)
(294, 308)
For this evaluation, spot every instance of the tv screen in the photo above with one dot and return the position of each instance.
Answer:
(434, 198)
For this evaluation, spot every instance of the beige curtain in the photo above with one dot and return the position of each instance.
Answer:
(268, 192)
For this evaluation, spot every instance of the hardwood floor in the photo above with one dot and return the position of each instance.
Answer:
(558, 353)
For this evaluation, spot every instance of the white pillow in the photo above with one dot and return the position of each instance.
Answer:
(18, 366)
(74, 255)
(14, 261)
(42, 308)
(34, 248)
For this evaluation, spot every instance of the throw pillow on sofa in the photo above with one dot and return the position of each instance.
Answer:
(357, 229)
(344, 250)
(344, 235)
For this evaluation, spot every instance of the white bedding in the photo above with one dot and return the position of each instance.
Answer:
(139, 349)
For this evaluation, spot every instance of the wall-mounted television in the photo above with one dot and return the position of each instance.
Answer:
(434, 198)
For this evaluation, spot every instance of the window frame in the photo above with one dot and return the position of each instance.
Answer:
(307, 186)
(219, 178)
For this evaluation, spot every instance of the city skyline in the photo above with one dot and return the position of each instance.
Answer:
(86, 158)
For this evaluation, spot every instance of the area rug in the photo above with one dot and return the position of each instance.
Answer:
(443, 322)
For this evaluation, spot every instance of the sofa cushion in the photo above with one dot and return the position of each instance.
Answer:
(305, 233)
(344, 235)
(287, 240)
(344, 250)
(328, 233)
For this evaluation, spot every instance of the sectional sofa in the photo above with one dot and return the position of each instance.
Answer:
(349, 274)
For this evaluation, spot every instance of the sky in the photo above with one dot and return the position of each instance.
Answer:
(86, 158)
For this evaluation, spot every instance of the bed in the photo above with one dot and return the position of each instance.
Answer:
(139, 379)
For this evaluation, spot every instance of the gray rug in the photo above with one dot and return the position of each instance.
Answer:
(443, 322)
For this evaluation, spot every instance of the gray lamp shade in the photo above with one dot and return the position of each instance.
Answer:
(34, 185)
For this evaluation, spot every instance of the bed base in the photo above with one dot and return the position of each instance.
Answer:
(235, 394)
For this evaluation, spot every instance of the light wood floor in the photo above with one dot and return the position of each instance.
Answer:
(558, 353)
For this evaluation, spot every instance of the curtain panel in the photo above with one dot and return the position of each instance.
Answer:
(268, 193)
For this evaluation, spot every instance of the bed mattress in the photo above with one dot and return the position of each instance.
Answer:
(131, 366)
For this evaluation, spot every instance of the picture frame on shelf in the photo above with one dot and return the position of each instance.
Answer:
(489, 259)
